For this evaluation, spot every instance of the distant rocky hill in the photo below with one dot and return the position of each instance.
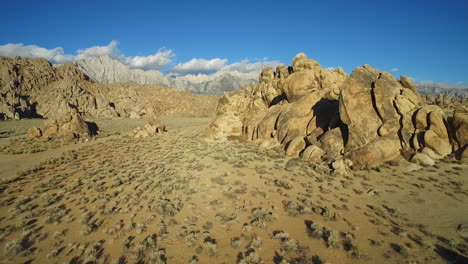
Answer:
(440, 88)
(35, 88)
(104, 69)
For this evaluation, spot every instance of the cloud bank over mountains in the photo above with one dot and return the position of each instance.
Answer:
(162, 59)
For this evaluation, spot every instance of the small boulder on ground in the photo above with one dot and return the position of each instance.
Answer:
(34, 133)
(423, 159)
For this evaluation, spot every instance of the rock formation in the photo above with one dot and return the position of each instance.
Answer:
(152, 128)
(364, 119)
(70, 126)
(35, 88)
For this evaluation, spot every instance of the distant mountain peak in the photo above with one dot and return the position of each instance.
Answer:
(104, 69)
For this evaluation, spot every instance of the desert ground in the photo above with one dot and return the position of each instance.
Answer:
(177, 198)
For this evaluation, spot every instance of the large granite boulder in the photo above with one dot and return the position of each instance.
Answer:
(366, 119)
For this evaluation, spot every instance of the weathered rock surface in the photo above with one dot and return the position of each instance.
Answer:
(367, 118)
(152, 128)
(423, 159)
(34, 133)
(68, 127)
(223, 127)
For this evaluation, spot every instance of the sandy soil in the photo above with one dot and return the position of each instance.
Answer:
(174, 198)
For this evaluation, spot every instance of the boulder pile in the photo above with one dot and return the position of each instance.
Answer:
(360, 120)
(69, 127)
(152, 128)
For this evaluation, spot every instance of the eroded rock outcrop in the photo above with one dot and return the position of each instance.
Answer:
(364, 119)
(68, 127)
(150, 129)
(35, 88)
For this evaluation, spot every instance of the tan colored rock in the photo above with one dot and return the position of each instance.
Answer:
(295, 146)
(407, 83)
(300, 83)
(266, 127)
(464, 155)
(358, 113)
(77, 125)
(366, 75)
(302, 62)
(332, 143)
(282, 71)
(332, 80)
(422, 159)
(70, 126)
(150, 129)
(50, 132)
(158, 125)
(269, 143)
(292, 127)
(385, 90)
(422, 114)
(372, 155)
(437, 124)
(34, 133)
(378, 117)
(431, 154)
(341, 166)
(313, 154)
(251, 123)
(141, 133)
(223, 127)
(440, 145)
(32, 87)
(267, 75)
(460, 126)
(134, 115)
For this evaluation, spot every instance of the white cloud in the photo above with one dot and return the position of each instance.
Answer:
(157, 61)
(195, 66)
(246, 66)
(394, 70)
(459, 83)
(55, 55)
(110, 50)
(198, 66)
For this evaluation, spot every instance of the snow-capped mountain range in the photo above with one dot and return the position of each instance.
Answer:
(104, 69)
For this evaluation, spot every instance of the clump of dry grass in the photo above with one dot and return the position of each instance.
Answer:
(15, 247)
(249, 257)
(209, 247)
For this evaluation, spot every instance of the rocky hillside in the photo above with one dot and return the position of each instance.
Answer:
(435, 89)
(360, 120)
(35, 88)
(104, 69)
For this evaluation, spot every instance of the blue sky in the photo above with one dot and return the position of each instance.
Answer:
(426, 40)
